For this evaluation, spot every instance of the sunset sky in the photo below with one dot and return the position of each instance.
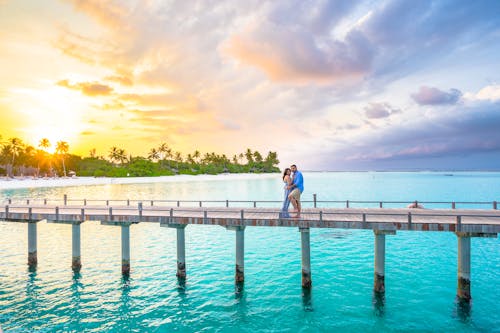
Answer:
(329, 85)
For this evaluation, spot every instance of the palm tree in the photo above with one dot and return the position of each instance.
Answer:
(165, 151)
(62, 148)
(45, 144)
(113, 154)
(257, 156)
(117, 155)
(122, 156)
(154, 154)
(196, 156)
(249, 156)
(178, 158)
(12, 149)
(16, 145)
(272, 159)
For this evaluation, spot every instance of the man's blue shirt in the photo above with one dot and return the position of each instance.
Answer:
(298, 181)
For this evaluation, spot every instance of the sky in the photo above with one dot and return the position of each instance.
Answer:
(328, 85)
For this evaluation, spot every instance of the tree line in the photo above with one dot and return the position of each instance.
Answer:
(20, 159)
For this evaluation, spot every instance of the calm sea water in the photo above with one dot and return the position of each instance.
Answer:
(420, 266)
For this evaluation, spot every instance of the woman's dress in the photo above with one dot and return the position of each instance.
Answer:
(286, 203)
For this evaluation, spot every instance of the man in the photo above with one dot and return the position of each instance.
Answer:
(297, 188)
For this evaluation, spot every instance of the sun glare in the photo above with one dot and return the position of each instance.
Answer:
(53, 114)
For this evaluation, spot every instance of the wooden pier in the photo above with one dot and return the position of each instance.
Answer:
(465, 223)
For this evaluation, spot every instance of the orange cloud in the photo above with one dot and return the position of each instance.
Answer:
(87, 88)
(123, 80)
(107, 13)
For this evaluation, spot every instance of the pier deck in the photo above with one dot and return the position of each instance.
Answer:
(464, 220)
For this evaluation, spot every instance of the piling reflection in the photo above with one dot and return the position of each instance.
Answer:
(32, 294)
(463, 310)
(239, 289)
(307, 299)
(125, 308)
(181, 285)
(76, 291)
(378, 301)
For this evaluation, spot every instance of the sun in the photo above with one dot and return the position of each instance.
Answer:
(51, 114)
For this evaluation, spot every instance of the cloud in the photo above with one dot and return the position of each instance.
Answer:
(87, 88)
(294, 55)
(380, 110)
(434, 96)
(491, 93)
(269, 69)
(123, 80)
(463, 131)
(87, 133)
(108, 13)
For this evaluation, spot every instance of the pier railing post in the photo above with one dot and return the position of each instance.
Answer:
(32, 245)
(306, 257)
(463, 286)
(181, 252)
(379, 271)
(314, 200)
(125, 248)
(65, 199)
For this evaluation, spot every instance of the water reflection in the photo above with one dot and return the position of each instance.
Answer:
(307, 299)
(378, 301)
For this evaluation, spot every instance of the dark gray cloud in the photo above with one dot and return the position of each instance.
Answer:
(434, 96)
(380, 110)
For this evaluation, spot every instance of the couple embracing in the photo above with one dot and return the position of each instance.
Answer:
(294, 186)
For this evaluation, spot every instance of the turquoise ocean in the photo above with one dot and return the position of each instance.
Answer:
(421, 267)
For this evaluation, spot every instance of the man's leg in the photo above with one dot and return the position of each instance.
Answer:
(293, 201)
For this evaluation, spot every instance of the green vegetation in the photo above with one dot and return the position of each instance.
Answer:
(20, 159)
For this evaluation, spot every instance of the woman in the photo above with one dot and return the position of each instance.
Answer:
(287, 179)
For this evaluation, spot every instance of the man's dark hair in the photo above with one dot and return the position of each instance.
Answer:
(293, 165)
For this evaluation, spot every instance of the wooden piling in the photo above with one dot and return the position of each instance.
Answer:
(306, 257)
(464, 264)
(240, 249)
(32, 245)
(125, 249)
(181, 252)
(379, 260)
(76, 263)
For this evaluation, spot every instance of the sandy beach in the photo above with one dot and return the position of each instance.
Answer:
(28, 182)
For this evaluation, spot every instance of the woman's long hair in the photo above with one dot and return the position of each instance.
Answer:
(284, 173)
